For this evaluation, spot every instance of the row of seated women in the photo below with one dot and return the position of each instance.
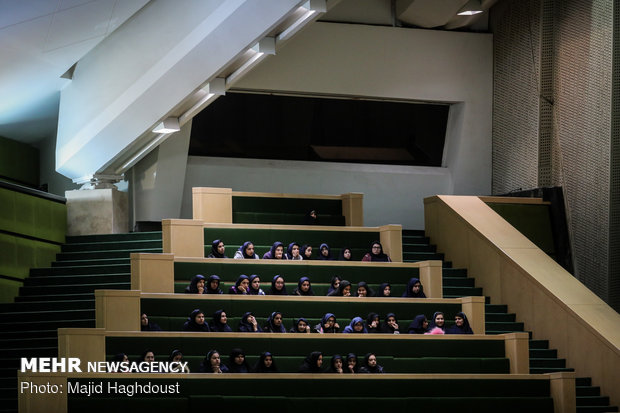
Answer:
(212, 363)
(196, 322)
(296, 252)
(339, 288)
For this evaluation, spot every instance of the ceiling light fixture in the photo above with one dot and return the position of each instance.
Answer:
(470, 8)
(169, 125)
(260, 50)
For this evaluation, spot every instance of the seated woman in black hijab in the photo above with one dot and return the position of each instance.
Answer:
(274, 323)
(390, 326)
(306, 252)
(363, 290)
(419, 325)
(196, 322)
(414, 289)
(385, 290)
(346, 254)
(265, 364)
(334, 284)
(461, 325)
(300, 326)
(350, 364)
(312, 218)
(213, 285)
(438, 323)
(376, 253)
(248, 323)
(293, 252)
(177, 356)
(356, 326)
(304, 287)
(276, 252)
(220, 322)
(246, 252)
(312, 363)
(237, 362)
(328, 325)
(335, 366)
(255, 285)
(147, 325)
(242, 286)
(197, 285)
(373, 325)
(277, 286)
(344, 290)
(217, 249)
(325, 253)
(212, 363)
(370, 365)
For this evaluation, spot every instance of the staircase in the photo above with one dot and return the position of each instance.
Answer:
(456, 283)
(63, 296)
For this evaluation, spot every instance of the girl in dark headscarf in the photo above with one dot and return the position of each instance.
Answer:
(217, 249)
(370, 365)
(461, 325)
(147, 356)
(300, 326)
(237, 362)
(246, 251)
(344, 290)
(274, 323)
(334, 284)
(414, 289)
(306, 252)
(213, 285)
(220, 322)
(196, 286)
(312, 218)
(437, 322)
(346, 254)
(276, 252)
(255, 285)
(196, 322)
(356, 326)
(293, 252)
(121, 357)
(385, 290)
(242, 286)
(372, 323)
(177, 356)
(363, 290)
(419, 325)
(335, 366)
(212, 363)
(248, 323)
(304, 287)
(376, 253)
(147, 325)
(327, 325)
(390, 326)
(325, 253)
(351, 365)
(277, 286)
(312, 363)
(265, 364)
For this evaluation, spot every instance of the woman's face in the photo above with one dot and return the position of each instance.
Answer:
(277, 320)
(336, 283)
(214, 284)
(244, 284)
(330, 322)
(239, 359)
(249, 250)
(223, 318)
(215, 360)
(256, 283)
(149, 357)
(301, 327)
(324, 251)
(358, 327)
(376, 248)
(458, 321)
(125, 358)
(347, 254)
(338, 364)
(144, 320)
(279, 252)
(305, 286)
(346, 291)
(268, 361)
(200, 284)
(308, 252)
(439, 321)
(199, 319)
(279, 283)
(295, 251)
(362, 292)
(416, 288)
(178, 357)
(319, 361)
(425, 324)
(352, 361)
(221, 248)
(250, 319)
(387, 291)
(372, 360)
(391, 320)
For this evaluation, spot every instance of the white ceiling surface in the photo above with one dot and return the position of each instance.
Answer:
(39, 41)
